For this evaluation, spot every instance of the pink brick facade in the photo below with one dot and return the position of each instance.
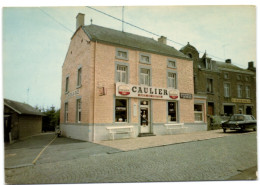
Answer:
(98, 63)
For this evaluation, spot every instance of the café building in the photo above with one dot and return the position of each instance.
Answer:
(121, 84)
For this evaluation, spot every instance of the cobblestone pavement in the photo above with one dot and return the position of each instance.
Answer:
(212, 159)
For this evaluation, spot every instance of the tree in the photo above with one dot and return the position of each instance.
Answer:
(50, 119)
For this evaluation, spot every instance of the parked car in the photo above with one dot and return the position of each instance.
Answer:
(239, 122)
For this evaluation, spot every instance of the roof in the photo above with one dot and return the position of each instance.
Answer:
(189, 46)
(231, 67)
(124, 39)
(21, 108)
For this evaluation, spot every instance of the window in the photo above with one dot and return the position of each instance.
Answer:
(172, 80)
(239, 77)
(66, 112)
(208, 64)
(121, 110)
(190, 55)
(171, 64)
(198, 113)
(79, 78)
(145, 76)
(121, 74)
(226, 90)
(226, 76)
(78, 110)
(172, 111)
(247, 92)
(67, 84)
(145, 58)
(247, 78)
(121, 54)
(209, 85)
(239, 91)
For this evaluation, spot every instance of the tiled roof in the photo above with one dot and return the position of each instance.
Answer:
(227, 66)
(124, 39)
(21, 108)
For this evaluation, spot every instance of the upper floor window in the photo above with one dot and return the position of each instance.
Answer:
(247, 91)
(78, 113)
(66, 112)
(145, 76)
(67, 84)
(226, 90)
(239, 77)
(121, 54)
(209, 85)
(172, 80)
(79, 77)
(239, 91)
(171, 64)
(208, 64)
(145, 58)
(121, 73)
(226, 76)
(246, 78)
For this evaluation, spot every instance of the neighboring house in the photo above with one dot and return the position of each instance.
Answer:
(228, 88)
(115, 78)
(20, 120)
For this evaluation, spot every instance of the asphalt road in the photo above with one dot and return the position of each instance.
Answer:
(71, 161)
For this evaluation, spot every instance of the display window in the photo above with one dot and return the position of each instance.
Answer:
(121, 110)
(172, 111)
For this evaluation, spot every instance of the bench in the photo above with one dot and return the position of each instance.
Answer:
(174, 126)
(120, 130)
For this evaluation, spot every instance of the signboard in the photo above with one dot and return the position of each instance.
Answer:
(235, 100)
(73, 93)
(185, 96)
(140, 91)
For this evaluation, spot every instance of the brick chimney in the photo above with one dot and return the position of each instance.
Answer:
(228, 61)
(162, 40)
(80, 20)
(251, 66)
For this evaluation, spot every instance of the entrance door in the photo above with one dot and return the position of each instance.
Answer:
(145, 117)
(249, 110)
(211, 109)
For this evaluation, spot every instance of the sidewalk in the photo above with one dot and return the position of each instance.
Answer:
(162, 140)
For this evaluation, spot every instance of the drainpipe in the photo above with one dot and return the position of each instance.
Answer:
(94, 103)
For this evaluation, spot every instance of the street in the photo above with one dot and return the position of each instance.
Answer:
(71, 161)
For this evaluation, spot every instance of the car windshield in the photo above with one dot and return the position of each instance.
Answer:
(237, 118)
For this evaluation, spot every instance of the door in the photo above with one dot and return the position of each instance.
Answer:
(211, 109)
(145, 117)
(7, 128)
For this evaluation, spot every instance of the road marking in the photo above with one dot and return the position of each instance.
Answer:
(34, 161)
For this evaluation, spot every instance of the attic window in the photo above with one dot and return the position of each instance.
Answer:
(121, 54)
(171, 63)
(145, 58)
(190, 55)
(208, 64)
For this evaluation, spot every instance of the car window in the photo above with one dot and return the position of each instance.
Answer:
(237, 118)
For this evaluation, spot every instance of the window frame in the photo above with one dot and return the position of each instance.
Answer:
(121, 57)
(149, 75)
(127, 71)
(229, 90)
(176, 111)
(127, 111)
(208, 64)
(78, 111)
(239, 90)
(199, 112)
(207, 85)
(171, 61)
(66, 112)
(145, 55)
(227, 75)
(79, 77)
(239, 77)
(247, 91)
(67, 81)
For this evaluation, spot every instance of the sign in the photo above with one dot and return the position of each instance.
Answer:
(140, 91)
(73, 93)
(185, 96)
(235, 100)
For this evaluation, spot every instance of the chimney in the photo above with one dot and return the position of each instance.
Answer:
(162, 40)
(228, 61)
(80, 20)
(250, 65)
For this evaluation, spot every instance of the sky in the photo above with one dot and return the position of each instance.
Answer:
(35, 39)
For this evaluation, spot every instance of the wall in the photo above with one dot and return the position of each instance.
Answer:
(29, 125)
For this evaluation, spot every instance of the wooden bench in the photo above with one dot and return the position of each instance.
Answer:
(174, 126)
(120, 130)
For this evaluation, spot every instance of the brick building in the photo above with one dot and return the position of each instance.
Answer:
(227, 88)
(20, 120)
(114, 78)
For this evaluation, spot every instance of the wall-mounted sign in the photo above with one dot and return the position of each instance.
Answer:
(236, 100)
(185, 96)
(139, 91)
(73, 93)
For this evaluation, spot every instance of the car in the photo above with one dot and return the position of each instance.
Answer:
(240, 122)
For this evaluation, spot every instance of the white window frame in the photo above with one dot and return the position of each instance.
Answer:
(247, 89)
(171, 63)
(67, 80)
(226, 75)
(119, 52)
(145, 77)
(172, 80)
(66, 112)
(227, 90)
(79, 77)
(127, 116)
(78, 110)
(120, 73)
(209, 85)
(142, 60)
(200, 113)
(239, 77)
(208, 64)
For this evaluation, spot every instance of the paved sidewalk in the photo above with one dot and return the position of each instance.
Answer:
(155, 141)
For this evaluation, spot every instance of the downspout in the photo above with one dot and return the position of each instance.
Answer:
(94, 103)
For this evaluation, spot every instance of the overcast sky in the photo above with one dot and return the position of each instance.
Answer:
(35, 40)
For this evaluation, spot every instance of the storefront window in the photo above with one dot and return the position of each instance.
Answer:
(172, 110)
(198, 112)
(121, 110)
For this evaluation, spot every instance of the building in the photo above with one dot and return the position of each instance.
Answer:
(228, 89)
(115, 78)
(20, 120)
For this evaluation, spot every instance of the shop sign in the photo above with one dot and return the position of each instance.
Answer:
(139, 91)
(73, 93)
(236, 100)
(185, 96)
